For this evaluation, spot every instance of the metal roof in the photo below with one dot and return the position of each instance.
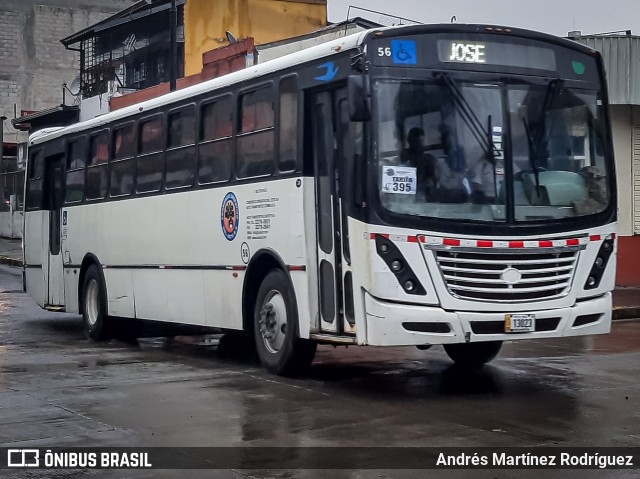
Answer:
(621, 57)
(136, 11)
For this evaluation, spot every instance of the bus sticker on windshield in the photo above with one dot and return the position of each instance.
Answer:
(399, 180)
(229, 216)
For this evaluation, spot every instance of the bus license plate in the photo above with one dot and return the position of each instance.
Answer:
(520, 323)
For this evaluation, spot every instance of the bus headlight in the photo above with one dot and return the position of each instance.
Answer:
(393, 258)
(600, 264)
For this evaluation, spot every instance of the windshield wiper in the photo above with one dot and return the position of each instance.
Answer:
(471, 119)
(538, 143)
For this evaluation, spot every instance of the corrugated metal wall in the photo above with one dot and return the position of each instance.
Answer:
(635, 173)
(621, 55)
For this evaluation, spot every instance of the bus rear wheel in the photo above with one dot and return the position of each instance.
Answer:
(473, 355)
(275, 326)
(94, 306)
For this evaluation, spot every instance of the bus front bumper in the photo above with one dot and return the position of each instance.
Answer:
(393, 324)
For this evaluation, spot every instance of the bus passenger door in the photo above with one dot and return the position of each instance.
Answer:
(326, 151)
(54, 191)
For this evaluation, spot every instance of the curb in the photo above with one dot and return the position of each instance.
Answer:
(10, 261)
(626, 312)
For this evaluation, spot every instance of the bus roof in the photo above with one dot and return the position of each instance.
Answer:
(271, 66)
(287, 61)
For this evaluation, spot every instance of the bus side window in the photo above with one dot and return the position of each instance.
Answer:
(216, 126)
(255, 140)
(123, 165)
(35, 180)
(76, 159)
(288, 125)
(98, 168)
(181, 148)
(150, 155)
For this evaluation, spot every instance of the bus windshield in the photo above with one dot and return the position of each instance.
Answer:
(443, 145)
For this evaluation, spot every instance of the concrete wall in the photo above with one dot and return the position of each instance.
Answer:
(622, 122)
(624, 118)
(33, 62)
(206, 22)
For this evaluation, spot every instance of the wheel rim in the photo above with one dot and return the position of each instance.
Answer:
(273, 321)
(91, 302)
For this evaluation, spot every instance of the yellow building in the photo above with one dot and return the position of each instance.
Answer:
(207, 21)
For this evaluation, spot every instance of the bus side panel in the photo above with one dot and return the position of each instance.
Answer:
(186, 303)
(151, 294)
(222, 299)
(120, 292)
(71, 277)
(36, 251)
(308, 304)
(301, 283)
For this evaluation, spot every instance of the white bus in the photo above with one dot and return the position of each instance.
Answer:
(418, 185)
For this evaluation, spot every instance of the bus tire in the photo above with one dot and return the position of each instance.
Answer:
(94, 306)
(473, 355)
(275, 326)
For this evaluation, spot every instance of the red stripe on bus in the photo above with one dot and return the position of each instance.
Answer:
(451, 242)
(595, 238)
(485, 244)
(613, 236)
(297, 268)
(238, 268)
(573, 242)
(516, 244)
(545, 244)
(412, 239)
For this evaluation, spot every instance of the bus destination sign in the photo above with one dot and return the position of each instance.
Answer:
(467, 52)
(497, 53)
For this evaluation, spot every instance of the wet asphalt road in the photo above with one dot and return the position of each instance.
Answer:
(59, 389)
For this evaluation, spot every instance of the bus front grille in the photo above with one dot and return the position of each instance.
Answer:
(507, 276)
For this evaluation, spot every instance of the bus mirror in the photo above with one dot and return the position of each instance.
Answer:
(359, 98)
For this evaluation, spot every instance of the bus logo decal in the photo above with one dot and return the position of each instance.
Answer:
(331, 71)
(229, 216)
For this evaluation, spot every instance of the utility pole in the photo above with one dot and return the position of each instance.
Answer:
(2, 119)
(173, 24)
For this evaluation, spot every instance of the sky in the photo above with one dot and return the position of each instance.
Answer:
(557, 17)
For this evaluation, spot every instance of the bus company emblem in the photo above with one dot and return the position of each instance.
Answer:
(229, 216)
(330, 71)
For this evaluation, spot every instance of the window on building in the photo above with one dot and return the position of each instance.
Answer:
(215, 142)
(288, 134)
(255, 142)
(150, 163)
(181, 148)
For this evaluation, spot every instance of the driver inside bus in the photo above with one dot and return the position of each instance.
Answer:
(425, 164)
(452, 186)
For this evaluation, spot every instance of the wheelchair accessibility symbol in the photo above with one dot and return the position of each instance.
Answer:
(404, 52)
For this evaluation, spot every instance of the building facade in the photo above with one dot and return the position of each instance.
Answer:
(33, 67)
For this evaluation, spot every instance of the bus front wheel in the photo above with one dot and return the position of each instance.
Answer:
(94, 306)
(275, 326)
(473, 355)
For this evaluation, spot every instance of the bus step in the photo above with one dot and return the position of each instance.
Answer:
(328, 338)
(55, 309)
